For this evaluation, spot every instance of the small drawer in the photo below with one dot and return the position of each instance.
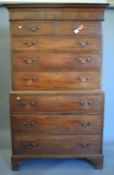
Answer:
(57, 145)
(79, 28)
(62, 124)
(32, 28)
(46, 101)
(35, 61)
(55, 28)
(56, 43)
(56, 80)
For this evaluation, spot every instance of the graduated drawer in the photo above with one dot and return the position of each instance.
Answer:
(57, 145)
(55, 28)
(63, 124)
(90, 103)
(55, 80)
(35, 61)
(53, 43)
(57, 13)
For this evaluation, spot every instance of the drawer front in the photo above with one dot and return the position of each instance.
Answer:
(31, 62)
(50, 102)
(55, 80)
(56, 13)
(57, 145)
(66, 43)
(63, 124)
(54, 28)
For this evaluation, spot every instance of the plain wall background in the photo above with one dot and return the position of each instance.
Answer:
(5, 77)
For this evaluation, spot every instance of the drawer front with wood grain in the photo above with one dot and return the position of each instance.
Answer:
(56, 80)
(88, 103)
(57, 145)
(20, 28)
(76, 13)
(35, 61)
(56, 43)
(63, 124)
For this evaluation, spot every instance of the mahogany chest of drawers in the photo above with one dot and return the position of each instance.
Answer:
(56, 104)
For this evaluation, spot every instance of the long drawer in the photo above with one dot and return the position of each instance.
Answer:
(56, 80)
(53, 43)
(63, 124)
(57, 145)
(55, 28)
(35, 61)
(87, 103)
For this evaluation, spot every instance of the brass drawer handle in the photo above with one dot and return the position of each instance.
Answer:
(84, 43)
(83, 79)
(79, 28)
(33, 144)
(85, 145)
(30, 145)
(29, 43)
(86, 102)
(33, 28)
(82, 102)
(22, 102)
(85, 60)
(28, 124)
(30, 61)
(90, 102)
(85, 124)
(32, 103)
(26, 144)
(34, 78)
